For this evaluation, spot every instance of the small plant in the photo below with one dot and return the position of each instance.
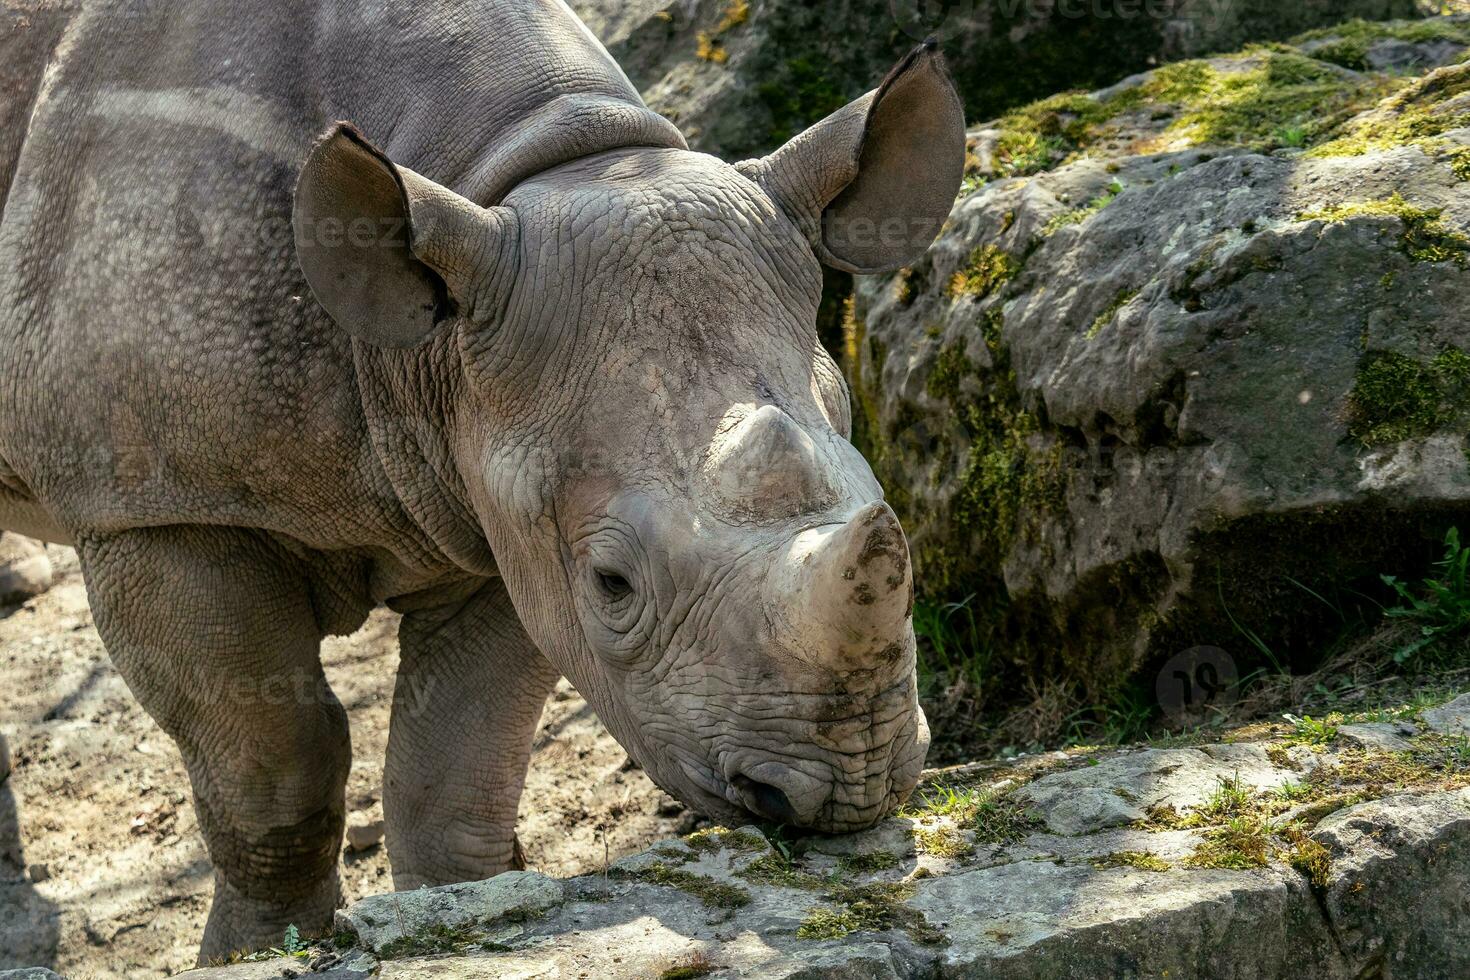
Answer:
(1292, 136)
(1444, 609)
(694, 965)
(945, 800)
(995, 818)
(971, 184)
(292, 945)
(954, 655)
(943, 842)
(1291, 792)
(1000, 820)
(1230, 799)
(1313, 732)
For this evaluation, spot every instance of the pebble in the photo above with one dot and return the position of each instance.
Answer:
(363, 834)
(39, 873)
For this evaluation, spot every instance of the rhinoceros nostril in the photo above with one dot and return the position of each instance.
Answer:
(765, 800)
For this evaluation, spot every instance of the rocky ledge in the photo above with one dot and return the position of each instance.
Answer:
(1332, 847)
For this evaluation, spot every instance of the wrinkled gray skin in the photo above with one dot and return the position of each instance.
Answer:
(581, 425)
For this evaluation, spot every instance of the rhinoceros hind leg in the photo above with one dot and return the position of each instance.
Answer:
(471, 686)
(214, 631)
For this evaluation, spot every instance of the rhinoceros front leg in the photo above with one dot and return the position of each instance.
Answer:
(213, 631)
(471, 686)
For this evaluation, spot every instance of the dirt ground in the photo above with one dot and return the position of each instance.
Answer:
(104, 806)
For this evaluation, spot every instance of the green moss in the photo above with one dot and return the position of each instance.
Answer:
(693, 966)
(435, 939)
(1395, 397)
(1240, 844)
(988, 268)
(1002, 820)
(711, 893)
(1141, 860)
(721, 838)
(1425, 236)
(1286, 92)
(868, 862)
(1349, 43)
(951, 367)
(1044, 134)
(1460, 163)
(1307, 856)
(870, 908)
(1124, 297)
(1347, 52)
(1080, 215)
(1416, 116)
(1434, 760)
(674, 854)
(1228, 801)
(943, 842)
(825, 923)
(774, 869)
(1276, 97)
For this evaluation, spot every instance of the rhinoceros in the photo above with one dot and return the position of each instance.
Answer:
(312, 306)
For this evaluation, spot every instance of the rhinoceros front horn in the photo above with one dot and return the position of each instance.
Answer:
(848, 592)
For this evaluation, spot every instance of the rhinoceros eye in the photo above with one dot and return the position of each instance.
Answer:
(614, 587)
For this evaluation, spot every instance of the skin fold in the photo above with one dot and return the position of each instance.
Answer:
(502, 354)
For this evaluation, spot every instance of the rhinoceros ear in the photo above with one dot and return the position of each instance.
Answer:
(873, 183)
(387, 252)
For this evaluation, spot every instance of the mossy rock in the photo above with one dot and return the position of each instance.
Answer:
(1189, 365)
(743, 78)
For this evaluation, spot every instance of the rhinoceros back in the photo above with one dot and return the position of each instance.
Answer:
(161, 358)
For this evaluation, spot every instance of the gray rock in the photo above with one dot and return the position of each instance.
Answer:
(381, 919)
(1051, 906)
(1383, 736)
(29, 973)
(262, 970)
(25, 571)
(1450, 719)
(1122, 788)
(1397, 883)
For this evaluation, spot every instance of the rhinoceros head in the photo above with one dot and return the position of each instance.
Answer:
(656, 445)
